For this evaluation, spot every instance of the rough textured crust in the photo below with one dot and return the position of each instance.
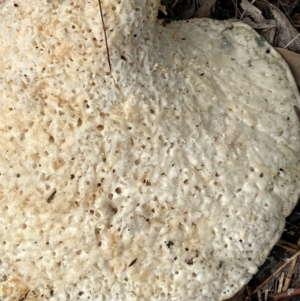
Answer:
(168, 180)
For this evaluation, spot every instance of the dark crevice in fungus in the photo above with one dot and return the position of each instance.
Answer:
(51, 197)
(132, 263)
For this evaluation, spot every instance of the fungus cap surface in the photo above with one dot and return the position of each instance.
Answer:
(168, 179)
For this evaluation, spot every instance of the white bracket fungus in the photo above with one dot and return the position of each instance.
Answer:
(168, 179)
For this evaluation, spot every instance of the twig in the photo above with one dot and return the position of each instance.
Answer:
(105, 37)
(290, 293)
(280, 283)
(237, 11)
(277, 271)
(266, 295)
(259, 296)
(243, 14)
(287, 246)
(174, 4)
(289, 275)
(289, 43)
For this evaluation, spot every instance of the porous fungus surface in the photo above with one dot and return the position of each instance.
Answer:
(168, 179)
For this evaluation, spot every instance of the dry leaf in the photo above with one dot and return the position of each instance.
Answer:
(163, 8)
(269, 34)
(257, 20)
(286, 36)
(266, 24)
(205, 8)
(190, 10)
(293, 60)
(251, 10)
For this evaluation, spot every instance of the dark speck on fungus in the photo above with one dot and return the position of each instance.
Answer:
(169, 244)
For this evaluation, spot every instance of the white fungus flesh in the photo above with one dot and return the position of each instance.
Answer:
(167, 179)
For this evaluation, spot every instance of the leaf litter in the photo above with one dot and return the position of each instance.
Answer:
(278, 22)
